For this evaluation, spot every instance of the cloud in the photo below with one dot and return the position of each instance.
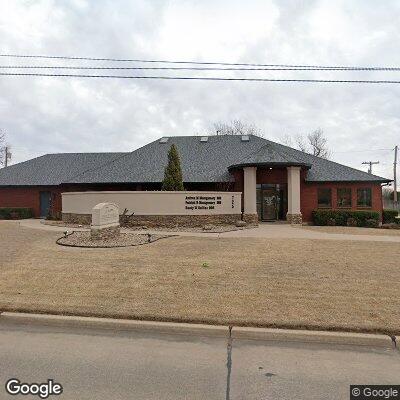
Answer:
(42, 115)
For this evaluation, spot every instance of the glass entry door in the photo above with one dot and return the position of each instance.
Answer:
(271, 202)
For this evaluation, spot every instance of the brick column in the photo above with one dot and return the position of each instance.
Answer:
(294, 213)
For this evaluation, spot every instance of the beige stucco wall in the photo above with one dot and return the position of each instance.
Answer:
(155, 202)
(294, 190)
(250, 192)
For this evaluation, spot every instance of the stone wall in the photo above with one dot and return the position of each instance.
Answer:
(171, 221)
(167, 221)
(251, 219)
(294, 219)
(79, 219)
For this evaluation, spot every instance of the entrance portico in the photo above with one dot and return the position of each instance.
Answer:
(272, 192)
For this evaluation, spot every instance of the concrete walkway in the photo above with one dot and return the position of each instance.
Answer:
(264, 230)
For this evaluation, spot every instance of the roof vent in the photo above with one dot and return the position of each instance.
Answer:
(245, 138)
(164, 140)
(204, 139)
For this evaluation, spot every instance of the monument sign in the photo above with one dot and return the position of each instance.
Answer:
(105, 221)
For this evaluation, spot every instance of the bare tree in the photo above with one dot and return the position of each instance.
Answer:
(318, 143)
(301, 143)
(4, 150)
(314, 143)
(286, 139)
(387, 193)
(235, 127)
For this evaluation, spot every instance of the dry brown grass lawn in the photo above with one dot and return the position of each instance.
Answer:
(316, 284)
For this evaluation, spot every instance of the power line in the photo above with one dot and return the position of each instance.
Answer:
(370, 68)
(360, 151)
(203, 78)
(203, 68)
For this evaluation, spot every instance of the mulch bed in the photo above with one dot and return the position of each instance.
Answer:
(83, 239)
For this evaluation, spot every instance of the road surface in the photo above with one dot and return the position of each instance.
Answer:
(103, 364)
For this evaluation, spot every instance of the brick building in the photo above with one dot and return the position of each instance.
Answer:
(277, 182)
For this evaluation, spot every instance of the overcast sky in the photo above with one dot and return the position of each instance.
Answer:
(44, 115)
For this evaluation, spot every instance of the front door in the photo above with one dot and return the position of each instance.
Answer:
(269, 204)
(45, 200)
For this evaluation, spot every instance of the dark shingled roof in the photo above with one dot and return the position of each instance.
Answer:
(270, 154)
(52, 169)
(208, 161)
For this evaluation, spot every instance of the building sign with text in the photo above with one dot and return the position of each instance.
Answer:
(156, 202)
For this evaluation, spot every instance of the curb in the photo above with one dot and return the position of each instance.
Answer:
(244, 333)
(327, 337)
(114, 324)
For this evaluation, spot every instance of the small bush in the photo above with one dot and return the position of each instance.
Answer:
(344, 218)
(331, 222)
(15, 212)
(389, 216)
(372, 223)
(351, 222)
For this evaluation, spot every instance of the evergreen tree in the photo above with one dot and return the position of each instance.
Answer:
(173, 172)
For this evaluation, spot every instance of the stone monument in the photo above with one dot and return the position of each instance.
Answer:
(105, 221)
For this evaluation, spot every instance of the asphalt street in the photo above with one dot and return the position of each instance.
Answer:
(105, 364)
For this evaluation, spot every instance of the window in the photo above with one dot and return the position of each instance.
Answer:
(324, 197)
(344, 197)
(364, 197)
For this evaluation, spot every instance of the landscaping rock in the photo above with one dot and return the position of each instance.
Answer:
(240, 223)
(208, 228)
(84, 239)
(392, 225)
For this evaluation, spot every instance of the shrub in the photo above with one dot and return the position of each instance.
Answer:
(351, 222)
(331, 222)
(343, 218)
(15, 212)
(389, 216)
(372, 223)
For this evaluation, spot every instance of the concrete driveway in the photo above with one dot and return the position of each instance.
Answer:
(264, 230)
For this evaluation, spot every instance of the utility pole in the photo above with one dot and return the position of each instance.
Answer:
(370, 163)
(395, 178)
